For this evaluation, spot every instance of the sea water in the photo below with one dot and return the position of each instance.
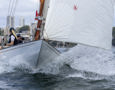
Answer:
(79, 68)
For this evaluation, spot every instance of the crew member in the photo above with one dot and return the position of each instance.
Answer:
(12, 38)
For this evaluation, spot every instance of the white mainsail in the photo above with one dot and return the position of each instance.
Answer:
(86, 22)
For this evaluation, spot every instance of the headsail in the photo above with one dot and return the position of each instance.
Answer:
(86, 22)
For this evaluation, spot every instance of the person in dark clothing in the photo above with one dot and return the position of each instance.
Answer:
(12, 38)
(19, 38)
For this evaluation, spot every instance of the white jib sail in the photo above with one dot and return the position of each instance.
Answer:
(86, 22)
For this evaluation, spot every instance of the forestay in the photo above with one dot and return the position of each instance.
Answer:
(86, 22)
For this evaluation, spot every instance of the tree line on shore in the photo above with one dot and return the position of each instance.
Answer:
(113, 34)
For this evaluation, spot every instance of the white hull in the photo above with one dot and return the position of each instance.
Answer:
(34, 54)
(27, 53)
(47, 54)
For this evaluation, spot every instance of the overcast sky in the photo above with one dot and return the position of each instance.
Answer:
(25, 8)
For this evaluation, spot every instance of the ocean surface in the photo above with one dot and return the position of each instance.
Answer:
(79, 68)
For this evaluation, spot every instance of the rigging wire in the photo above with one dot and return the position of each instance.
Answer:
(15, 6)
(12, 8)
(9, 7)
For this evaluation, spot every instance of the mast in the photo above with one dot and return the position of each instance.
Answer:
(37, 34)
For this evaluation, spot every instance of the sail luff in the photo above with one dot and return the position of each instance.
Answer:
(79, 21)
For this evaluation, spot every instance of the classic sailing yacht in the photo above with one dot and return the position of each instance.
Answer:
(87, 22)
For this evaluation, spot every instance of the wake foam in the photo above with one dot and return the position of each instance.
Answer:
(80, 58)
(12, 65)
(85, 59)
(93, 60)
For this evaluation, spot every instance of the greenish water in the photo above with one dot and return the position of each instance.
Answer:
(24, 81)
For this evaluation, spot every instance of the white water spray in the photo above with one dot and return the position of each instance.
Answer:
(84, 58)
(92, 60)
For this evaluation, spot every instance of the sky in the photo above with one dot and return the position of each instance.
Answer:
(25, 8)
